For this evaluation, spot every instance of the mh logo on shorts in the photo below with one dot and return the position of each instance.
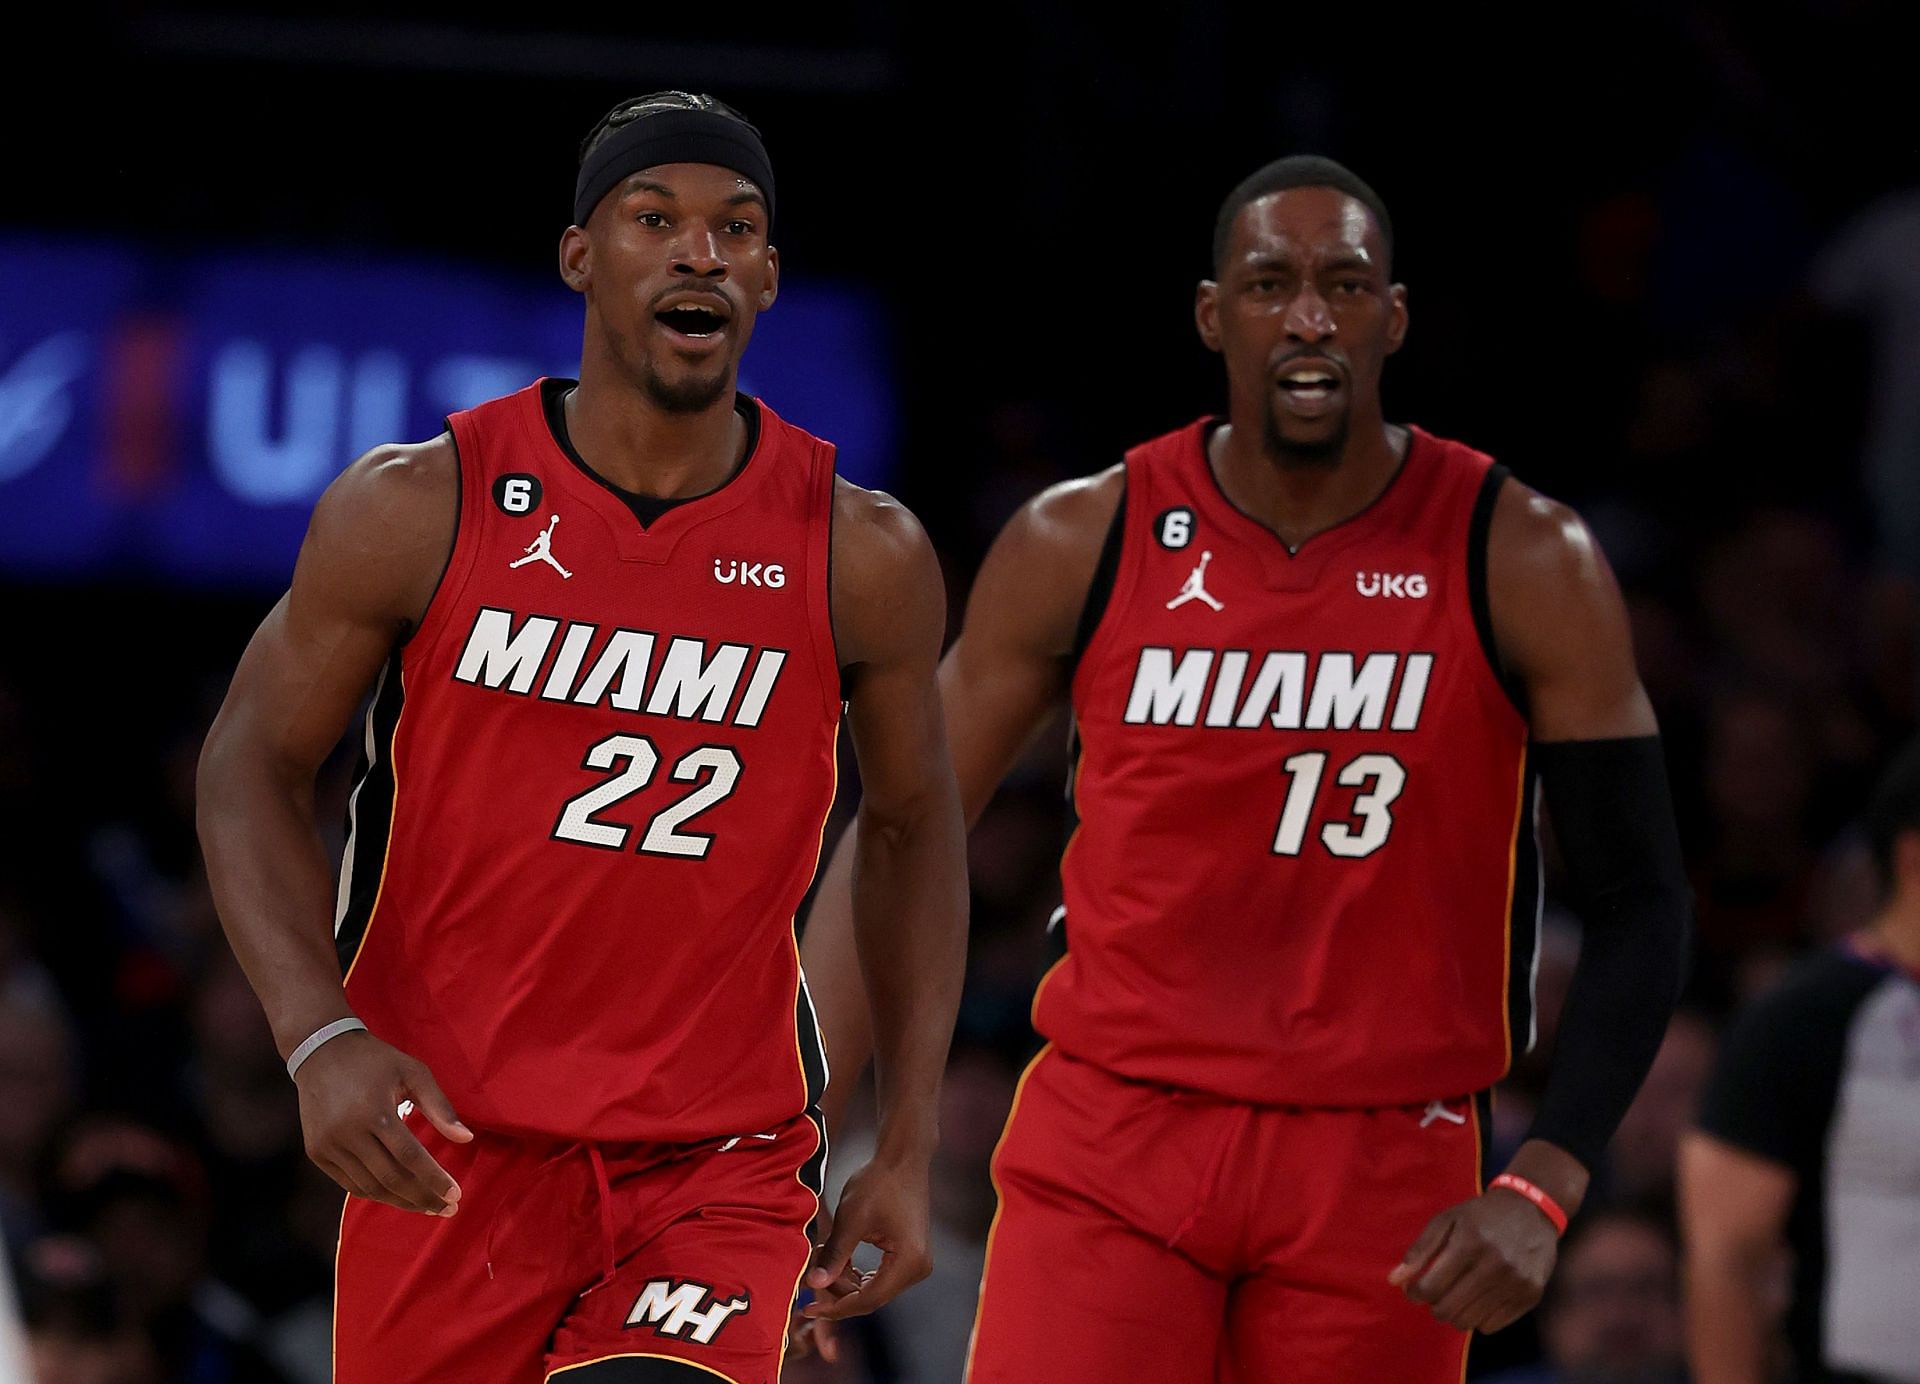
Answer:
(685, 1310)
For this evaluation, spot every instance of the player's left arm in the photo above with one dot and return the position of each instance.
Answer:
(1561, 630)
(909, 885)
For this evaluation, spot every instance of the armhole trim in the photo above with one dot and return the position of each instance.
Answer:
(1479, 530)
(428, 615)
(1100, 591)
(826, 638)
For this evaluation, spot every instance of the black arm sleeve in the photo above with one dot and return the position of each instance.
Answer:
(1613, 817)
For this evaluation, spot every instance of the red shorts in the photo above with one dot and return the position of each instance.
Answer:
(589, 1263)
(1155, 1234)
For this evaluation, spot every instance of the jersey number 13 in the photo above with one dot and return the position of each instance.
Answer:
(1381, 778)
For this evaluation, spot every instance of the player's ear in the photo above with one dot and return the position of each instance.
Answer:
(1206, 313)
(1397, 323)
(772, 290)
(575, 259)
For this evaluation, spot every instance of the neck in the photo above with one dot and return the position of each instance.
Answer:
(1896, 931)
(1298, 500)
(639, 446)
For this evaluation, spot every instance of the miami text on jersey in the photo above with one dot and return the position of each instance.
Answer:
(1344, 693)
(506, 652)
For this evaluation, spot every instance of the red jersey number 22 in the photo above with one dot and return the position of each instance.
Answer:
(636, 758)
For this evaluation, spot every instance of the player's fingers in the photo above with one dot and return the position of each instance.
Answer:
(1451, 1265)
(429, 1179)
(341, 1178)
(1420, 1253)
(851, 1280)
(1507, 1314)
(432, 1102)
(1474, 1288)
(395, 1183)
(832, 1258)
(834, 1306)
(897, 1273)
(1486, 1312)
(350, 1173)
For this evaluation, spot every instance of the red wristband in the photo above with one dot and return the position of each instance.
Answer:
(1548, 1206)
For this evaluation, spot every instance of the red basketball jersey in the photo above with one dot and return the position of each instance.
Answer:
(1304, 869)
(597, 777)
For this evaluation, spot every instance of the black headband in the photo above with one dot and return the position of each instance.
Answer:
(672, 136)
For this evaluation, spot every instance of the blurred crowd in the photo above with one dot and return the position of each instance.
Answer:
(165, 1226)
(1757, 487)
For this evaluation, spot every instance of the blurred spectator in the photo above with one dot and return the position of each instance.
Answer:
(78, 1330)
(1640, 1160)
(1612, 1314)
(1809, 1142)
(143, 1200)
(927, 1330)
(37, 1089)
(1871, 270)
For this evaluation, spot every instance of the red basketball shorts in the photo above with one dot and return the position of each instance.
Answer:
(1153, 1234)
(584, 1263)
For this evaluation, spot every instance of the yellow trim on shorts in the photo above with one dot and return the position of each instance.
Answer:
(641, 1355)
(999, 1203)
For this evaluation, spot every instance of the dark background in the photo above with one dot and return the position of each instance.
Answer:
(1639, 274)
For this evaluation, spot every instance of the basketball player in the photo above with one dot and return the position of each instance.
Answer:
(1317, 664)
(607, 669)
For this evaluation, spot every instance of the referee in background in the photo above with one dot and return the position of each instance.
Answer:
(1809, 1142)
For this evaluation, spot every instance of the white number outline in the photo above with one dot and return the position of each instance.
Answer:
(721, 764)
(637, 759)
(1373, 806)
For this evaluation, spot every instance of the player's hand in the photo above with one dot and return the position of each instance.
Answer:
(885, 1205)
(807, 1335)
(1482, 1264)
(350, 1093)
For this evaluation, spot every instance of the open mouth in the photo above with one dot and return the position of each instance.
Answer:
(1310, 384)
(692, 321)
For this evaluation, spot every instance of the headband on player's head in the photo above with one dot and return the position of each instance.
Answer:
(672, 136)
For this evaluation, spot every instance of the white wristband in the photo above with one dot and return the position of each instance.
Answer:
(324, 1034)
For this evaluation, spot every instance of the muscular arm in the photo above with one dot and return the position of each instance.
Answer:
(1733, 1215)
(999, 684)
(374, 550)
(1561, 630)
(908, 888)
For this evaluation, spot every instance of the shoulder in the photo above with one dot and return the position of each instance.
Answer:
(1070, 520)
(383, 531)
(874, 535)
(888, 595)
(403, 485)
(1540, 539)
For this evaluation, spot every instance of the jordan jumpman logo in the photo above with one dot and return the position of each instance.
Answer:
(541, 550)
(1196, 587)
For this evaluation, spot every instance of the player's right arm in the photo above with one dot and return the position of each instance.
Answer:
(375, 548)
(999, 685)
(1733, 1214)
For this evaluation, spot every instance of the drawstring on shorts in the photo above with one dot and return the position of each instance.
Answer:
(603, 1194)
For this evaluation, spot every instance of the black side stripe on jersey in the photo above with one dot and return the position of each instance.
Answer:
(1478, 528)
(369, 818)
(1105, 572)
(1524, 918)
(806, 1037)
(1483, 1110)
(813, 1172)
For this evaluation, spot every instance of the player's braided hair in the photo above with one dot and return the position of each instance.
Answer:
(639, 107)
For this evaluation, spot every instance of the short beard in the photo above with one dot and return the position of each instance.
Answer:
(1305, 456)
(695, 395)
